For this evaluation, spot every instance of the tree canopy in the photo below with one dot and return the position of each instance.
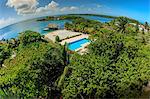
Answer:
(27, 37)
(116, 65)
(34, 70)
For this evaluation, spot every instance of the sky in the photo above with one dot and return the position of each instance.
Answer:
(12, 11)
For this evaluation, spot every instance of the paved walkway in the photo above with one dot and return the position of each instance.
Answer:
(75, 38)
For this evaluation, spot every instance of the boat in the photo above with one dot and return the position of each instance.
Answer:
(46, 29)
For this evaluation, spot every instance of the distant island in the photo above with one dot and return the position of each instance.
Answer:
(72, 16)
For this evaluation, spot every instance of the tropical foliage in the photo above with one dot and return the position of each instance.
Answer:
(34, 70)
(28, 37)
(116, 65)
(4, 53)
(83, 25)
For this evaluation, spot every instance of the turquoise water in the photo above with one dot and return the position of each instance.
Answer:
(77, 44)
(100, 19)
(13, 30)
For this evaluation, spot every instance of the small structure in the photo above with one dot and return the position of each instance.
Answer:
(51, 27)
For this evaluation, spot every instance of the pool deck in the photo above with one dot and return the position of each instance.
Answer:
(74, 36)
(70, 40)
(83, 48)
(63, 34)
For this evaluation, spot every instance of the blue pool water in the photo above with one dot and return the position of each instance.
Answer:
(77, 44)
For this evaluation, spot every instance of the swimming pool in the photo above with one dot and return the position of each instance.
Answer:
(77, 44)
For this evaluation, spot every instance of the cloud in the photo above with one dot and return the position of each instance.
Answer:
(68, 8)
(89, 9)
(23, 6)
(52, 6)
(73, 8)
(99, 6)
(5, 22)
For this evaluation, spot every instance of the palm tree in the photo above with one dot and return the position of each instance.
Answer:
(143, 31)
(146, 26)
(57, 39)
(65, 54)
(137, 27)
(122, 21)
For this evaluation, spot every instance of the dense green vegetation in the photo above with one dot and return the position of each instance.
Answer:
(47, 18)
(28, 37)
(117, 64)
(62, 17)
(105, 16)
(77, 16)
(72, 16)
(83, 25)
(34, 70)
(4, 53)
